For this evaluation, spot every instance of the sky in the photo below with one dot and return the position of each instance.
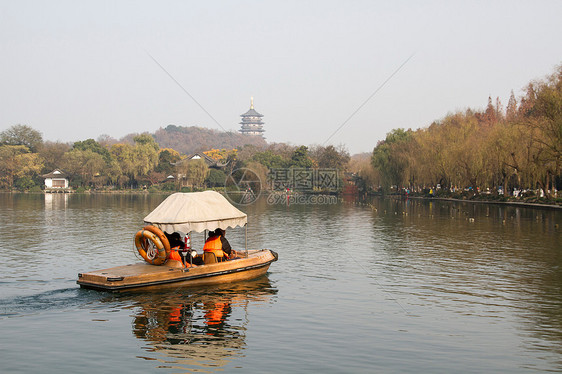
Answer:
(321, 72)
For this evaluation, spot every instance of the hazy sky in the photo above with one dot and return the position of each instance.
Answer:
(78, 69)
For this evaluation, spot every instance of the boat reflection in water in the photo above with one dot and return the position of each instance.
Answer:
(204, 328)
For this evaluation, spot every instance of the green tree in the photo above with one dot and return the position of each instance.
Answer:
(215, 178)
(86, 164)
(145, 159)
(430, 162)
(146, 139)
(390, 159)
(123, 154)
(114, 173)
(270, 159)
(22, 135)
(92, 145)
(166, 158)
(24, 183)
(300, 158)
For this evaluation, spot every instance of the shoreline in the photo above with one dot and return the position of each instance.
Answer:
(450, 199)
(509, 203)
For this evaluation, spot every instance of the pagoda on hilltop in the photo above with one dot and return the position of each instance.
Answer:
(251, 122)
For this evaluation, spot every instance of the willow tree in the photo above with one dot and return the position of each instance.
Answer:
(145, 159)
(470, 155)
(123, 155)
(194, 171)
(390, 158)
(442, 149)
(84, 163)
(145, 155)
(502, 163)
(546, 118)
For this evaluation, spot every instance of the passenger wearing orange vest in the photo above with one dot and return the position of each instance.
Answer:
(176, 244)
(214, 244)
(218, 244)
(226, 248)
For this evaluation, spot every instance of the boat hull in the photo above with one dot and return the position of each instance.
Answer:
(144, 275)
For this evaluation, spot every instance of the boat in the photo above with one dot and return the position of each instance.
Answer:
(183, 213)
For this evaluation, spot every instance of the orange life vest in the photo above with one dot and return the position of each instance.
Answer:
(175, 315)
(174, 255)
(214, 244)
(217, 314)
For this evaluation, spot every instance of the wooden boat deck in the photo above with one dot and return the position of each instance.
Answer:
(144, 275)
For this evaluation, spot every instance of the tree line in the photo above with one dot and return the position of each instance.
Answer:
(138, 161)
(516, 148)
(519, 147)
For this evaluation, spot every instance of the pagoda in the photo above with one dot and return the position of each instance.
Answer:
(251, 122)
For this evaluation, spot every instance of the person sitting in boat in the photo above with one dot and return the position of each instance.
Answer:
(175, 241)
(213, 244)
(226, 248)
(175, 245)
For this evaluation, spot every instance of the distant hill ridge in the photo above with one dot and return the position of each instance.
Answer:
(193, 139)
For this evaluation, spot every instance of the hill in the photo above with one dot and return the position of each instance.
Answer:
(193, 139)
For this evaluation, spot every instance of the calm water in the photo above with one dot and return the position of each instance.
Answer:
(389, 286)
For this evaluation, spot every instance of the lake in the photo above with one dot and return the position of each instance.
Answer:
(360, 287)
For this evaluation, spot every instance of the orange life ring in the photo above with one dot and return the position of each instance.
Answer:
(150, 247)
(160, 234)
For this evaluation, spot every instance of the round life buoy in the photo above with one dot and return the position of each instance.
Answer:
(160, 234)
(150, 247)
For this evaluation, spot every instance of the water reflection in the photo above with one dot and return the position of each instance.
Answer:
(485, 293)
(55, 201)
(493, 262)
(203, 329)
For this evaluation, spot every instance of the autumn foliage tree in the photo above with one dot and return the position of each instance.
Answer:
(519, 149)
(16, 161)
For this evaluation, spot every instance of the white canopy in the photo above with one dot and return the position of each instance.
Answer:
(195, 211)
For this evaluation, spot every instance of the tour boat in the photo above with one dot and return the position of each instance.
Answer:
(183, 213)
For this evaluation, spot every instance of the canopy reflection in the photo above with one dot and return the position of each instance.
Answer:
(203, 328)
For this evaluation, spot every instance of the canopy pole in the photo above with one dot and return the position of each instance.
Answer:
(246, 227)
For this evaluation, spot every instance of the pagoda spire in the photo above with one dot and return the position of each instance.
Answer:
(252, 123)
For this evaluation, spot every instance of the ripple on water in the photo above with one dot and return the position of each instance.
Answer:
(355, 290)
